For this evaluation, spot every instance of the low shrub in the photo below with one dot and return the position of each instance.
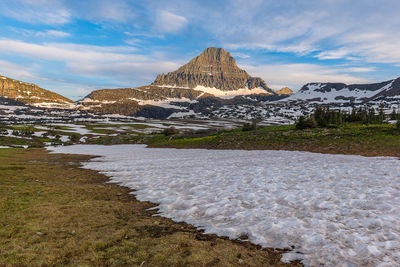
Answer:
(250, 126)
(304, 123)
(170, 131)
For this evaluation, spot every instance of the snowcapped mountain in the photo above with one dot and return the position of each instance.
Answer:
(213, 73)
(209, 85)
(388, 91)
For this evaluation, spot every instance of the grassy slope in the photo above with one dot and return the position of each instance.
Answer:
(54, 213)
(371, 140)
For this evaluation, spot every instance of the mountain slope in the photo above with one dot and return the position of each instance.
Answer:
(213, 73)
(30, 93)
(285, 91)
(214, 68)
(354, 93)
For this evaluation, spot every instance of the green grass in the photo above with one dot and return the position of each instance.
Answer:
(382, 139)
(53, 213)
(103, 131)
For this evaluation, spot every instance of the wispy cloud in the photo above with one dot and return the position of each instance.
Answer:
(296, 75)
(103, 10)
(360, 69)
(169, 22)
(145, 35)
(49, 12)
(53, 33)
(240, 55)
(17, 71)
(332, 29)
(333, 54)
(95, 61)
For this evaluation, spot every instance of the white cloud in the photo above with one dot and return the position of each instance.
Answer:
(360, 69)
(37, 12)
(103, 10)
(333, 54)
(118, 63)
(53, 33)
(145, 35)
(368, 30)
(379, 47)
(239, 55)
(296, 75)
(19, 72)
(169, 22)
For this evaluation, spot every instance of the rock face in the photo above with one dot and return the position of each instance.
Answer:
(285, 91)
(214, 68)
(213, 73)
(388, 91)
(29, 93)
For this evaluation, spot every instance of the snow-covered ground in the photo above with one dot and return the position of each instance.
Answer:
(335, 210)
(231, 93)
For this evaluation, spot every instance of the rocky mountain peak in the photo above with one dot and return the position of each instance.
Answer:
(285, 91)
(213, 68)
(214, 55)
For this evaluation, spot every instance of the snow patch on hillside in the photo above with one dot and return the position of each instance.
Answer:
(335, 96)
(232, 93)
(343, 211)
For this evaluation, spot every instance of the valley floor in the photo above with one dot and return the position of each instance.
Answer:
(54, 213)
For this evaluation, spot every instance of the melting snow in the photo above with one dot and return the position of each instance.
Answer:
(335, 210)
(231, 93)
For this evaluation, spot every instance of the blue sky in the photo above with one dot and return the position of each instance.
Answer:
(73, 47)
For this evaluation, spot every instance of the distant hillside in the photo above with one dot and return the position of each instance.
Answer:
(388, 91)
(29, 93)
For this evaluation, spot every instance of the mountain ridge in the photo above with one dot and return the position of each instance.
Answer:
(352, 93)
(29, 93)
(213, 68)
(207, 83)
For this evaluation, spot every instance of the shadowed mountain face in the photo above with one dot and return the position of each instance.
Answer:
(28, 93)
(215, 67)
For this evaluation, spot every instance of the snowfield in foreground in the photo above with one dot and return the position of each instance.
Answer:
(336, 210)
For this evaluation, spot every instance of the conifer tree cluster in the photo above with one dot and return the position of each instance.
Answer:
(394, 115)
(326, 117)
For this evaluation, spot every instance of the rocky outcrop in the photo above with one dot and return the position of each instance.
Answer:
(285, 91)
(214, 68)
(29, 93)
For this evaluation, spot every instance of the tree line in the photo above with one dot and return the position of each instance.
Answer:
(326, 117)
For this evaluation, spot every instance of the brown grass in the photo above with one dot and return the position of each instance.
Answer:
(53, 213)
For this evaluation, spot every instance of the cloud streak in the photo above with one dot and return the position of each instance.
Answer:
(296, 75)
(168, 22)
(94, 61)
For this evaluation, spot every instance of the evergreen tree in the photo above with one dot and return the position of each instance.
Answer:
(393, 116)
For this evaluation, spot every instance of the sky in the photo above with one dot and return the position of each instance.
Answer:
(73, 47)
